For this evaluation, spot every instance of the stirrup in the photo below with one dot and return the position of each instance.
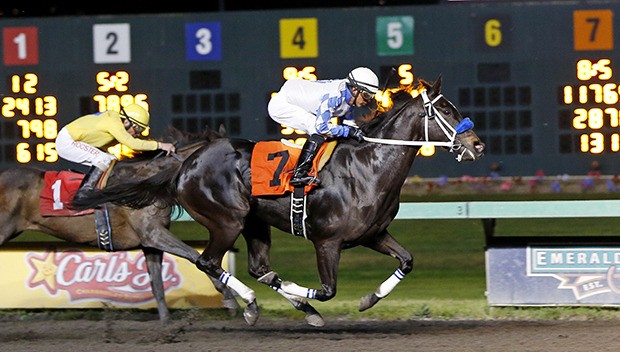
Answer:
(304, 181)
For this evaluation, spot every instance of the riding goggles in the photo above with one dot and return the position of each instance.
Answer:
(136, 126)
(139, 129)
(367, 96)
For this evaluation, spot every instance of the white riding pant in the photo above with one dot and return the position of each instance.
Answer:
(290, 115)
(80, 152)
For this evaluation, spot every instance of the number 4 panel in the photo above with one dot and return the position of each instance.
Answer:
(299, 38)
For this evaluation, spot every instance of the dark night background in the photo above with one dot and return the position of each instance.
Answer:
(86, 8)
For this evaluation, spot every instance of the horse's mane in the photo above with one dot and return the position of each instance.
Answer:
(181, 139)
(397, 97)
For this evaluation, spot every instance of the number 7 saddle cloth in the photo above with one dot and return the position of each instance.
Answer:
(273, 163)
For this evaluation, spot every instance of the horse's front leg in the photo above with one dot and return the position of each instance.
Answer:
(257, 235)
(386, 244)
(327, 258)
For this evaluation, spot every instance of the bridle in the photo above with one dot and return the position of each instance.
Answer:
(431, 112)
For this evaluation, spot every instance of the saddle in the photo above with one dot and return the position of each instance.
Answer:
(55, 200)
(272, 167)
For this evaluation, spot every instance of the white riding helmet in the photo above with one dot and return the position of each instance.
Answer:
(364, 79)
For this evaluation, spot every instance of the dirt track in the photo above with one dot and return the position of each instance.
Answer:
(294, 335)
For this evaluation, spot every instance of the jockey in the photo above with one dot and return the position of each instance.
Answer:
(309, 106)
(84, 140)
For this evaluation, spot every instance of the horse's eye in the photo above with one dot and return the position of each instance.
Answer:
(421, 114)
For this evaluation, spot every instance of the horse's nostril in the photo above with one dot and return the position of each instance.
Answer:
(479, 147)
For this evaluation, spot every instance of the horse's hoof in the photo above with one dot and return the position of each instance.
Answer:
(315, 320)
(268, 279)
(313, 317)
(250, 314)
(368, 301)
(165, 321)
(231, 304)
(232, 307)
(250, 317)
(164, 317)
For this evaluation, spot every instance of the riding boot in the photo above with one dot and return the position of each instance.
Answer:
(89, 182)
(304, 163)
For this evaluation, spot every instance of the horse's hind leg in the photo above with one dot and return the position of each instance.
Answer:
(210, 261)
(386, 244)
(161, 238)
(257, 236)
(154, 259)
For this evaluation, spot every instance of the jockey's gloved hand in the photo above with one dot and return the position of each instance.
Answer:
(356, 134)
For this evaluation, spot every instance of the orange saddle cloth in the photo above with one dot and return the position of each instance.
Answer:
(273, 163)
(58, 192)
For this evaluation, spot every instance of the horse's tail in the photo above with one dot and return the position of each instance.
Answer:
(158, 189)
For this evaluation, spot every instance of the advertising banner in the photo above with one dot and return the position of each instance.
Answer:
(63, 276)
(553, 275)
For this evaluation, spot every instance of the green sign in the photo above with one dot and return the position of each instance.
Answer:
(394, 35)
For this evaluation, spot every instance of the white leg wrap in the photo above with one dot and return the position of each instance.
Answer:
(246, 293)
(289, 297)
(294, 289)
(388, 285)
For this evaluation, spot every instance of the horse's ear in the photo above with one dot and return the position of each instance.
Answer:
(222, 130)
(436, 88)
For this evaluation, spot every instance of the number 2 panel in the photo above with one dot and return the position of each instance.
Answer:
(111, 43)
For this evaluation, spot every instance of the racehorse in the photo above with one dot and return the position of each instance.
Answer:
(357, 200)
(146, 228)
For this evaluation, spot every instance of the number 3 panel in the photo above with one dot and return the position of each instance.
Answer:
(203, 41)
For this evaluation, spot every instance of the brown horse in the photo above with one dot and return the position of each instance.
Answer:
(358, 198)
(146, 228)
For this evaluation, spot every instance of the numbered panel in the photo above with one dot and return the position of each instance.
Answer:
(203, 41)
(593, 29)
(20, 46)
(112, 43)
(299, 38)
(30, 116)
(592, 112)
(394, 35)
(493, 32)
(537, 78)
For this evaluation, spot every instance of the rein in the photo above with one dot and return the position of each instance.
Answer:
(160, 154)
(430, 111)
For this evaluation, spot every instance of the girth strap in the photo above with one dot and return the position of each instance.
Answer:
(298, 212)
(103, 228)
(102, 216)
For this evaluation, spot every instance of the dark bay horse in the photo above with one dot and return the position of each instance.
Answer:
(146, 228)
(358, 198)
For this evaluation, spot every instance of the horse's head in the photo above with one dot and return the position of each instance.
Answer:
(430, 119)
(446, 124)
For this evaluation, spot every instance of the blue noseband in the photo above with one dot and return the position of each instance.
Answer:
(464, 125)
